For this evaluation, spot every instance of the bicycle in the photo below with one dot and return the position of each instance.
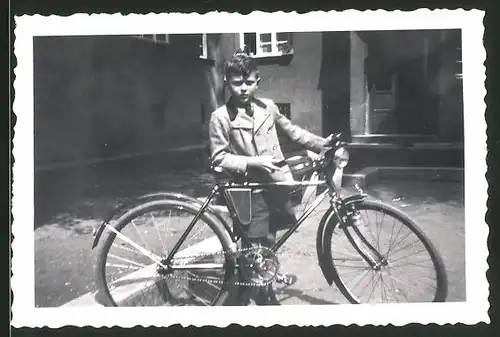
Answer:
(211, 268)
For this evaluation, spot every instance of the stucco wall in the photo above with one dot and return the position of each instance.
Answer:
(297, 83)
(450, 89)
(100, 97)
(428, 96)
(359, 91)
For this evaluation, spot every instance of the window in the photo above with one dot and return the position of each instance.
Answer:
(192, 43)
(158, 38)
(266, 44)
(284, 109)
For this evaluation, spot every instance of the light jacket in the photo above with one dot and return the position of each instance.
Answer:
(235, 136)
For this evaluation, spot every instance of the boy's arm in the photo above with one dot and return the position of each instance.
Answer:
(220, 154)
(297, 134)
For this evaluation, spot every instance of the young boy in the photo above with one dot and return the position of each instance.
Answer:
(244, 142)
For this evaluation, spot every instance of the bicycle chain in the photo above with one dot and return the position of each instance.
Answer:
(231, 254)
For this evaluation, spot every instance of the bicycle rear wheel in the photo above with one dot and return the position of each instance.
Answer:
(127, 276)
(410, 268)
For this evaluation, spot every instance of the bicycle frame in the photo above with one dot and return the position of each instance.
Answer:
(254, 186)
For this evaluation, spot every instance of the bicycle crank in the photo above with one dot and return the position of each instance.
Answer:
(259, 266)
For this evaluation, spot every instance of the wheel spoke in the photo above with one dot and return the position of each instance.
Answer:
(123, 247)
(406, 246)
(392, 278)
(409, 259)
(373, 236)
(164, 250)
(362, 277)
(406, 256)
(143, 240)
(198, 266)
(395, 278)
(399, 242)
(383, 286)
(366, 286)
(375, 286)
(127, 260)
(392, 290)
(192, 282)
(378, 236)
(155, 258)
(355, 267)
(412, 264)
(391, 242)
(122, 266)
(355, 271)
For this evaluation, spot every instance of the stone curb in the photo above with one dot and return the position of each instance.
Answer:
(371, 175)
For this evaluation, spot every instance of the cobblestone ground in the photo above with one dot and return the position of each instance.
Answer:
(437, 207)
(67, 209)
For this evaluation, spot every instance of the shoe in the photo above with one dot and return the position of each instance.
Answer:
(287, 279)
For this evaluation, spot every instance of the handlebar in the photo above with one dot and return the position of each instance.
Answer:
(335, 143)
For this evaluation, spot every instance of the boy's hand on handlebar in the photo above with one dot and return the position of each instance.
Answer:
(313, 155)
(264, 162)
(329, 140)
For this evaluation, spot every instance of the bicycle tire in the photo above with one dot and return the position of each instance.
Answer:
(441, 274)
(125, 219)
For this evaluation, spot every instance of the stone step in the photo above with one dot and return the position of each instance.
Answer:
(393, 138)
(416, 155)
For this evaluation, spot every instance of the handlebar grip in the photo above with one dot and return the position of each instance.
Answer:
(281, 163)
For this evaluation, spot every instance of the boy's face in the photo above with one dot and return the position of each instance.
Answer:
(243, 88)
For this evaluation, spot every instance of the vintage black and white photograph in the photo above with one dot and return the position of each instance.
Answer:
(322, 169)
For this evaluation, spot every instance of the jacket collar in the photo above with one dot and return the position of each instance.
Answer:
(239, 116)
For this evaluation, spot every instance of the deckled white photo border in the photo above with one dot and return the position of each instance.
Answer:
(474, 310)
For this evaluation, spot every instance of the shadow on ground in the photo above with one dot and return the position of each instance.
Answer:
(75, 197)
(284, 294)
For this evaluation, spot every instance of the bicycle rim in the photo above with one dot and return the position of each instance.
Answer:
(414, 271)
(127, 277)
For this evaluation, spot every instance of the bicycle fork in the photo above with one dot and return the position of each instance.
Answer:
(351, 220)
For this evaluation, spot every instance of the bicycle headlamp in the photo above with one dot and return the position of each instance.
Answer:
(341, 157)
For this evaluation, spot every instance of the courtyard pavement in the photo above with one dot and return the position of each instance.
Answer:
(70, 205)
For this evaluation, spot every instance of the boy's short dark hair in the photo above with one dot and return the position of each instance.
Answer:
(241, 64)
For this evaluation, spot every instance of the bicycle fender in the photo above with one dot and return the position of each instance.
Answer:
(327, 221)
(152, 197)
(320, 246)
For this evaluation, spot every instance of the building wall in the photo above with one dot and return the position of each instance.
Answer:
(101, 97)
(297, 83)
(335, 79)
(449, 89)
(220, 48)
(428, 95)
(359, 90)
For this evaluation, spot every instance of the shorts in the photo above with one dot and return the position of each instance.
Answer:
(272, 211)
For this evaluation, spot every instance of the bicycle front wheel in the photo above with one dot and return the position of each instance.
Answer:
(400, 263)
(129, 267)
